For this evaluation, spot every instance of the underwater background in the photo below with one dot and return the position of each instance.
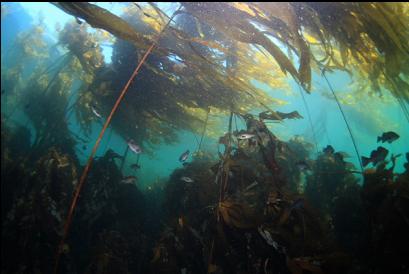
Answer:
(175, 186)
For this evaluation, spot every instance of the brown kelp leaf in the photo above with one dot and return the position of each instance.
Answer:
(290, 115)
(305, 66)
(101, 18)
(344, 53)
(282, 60)
(209, 44)
(156, 254)
(235, 214)
(374, 14)
(285, 12)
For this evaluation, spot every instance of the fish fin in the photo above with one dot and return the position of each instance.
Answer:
(365, 160)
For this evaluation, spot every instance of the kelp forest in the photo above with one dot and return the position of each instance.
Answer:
(201, 137)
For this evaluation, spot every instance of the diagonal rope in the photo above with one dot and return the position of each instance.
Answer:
(343, 115)
(309, 117)
(96, 145)
(204, 128)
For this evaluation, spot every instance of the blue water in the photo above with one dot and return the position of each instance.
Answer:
(367, 118)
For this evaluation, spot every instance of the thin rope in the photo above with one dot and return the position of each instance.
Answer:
(204, 129)
(124, 158)
(343, 115)
(109, 139)
(96, 145)
(309, 117)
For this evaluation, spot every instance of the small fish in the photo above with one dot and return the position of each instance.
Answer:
(389, 137)
(187, 179)
(377, 156)
(135, 166)
(129, 180)
(181, 223)
(95, 112)
(184, 156)
(112, 154)
(266, 236)
(245, 136)
(251, 185)
(84, 147)
(328, 150)
(3, 91)
(134, 147)
(78, 20)
(302, 165)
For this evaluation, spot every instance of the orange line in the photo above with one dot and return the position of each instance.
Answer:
(96, 145)
(91, 157)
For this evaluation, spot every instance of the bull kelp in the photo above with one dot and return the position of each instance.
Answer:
(204, 137)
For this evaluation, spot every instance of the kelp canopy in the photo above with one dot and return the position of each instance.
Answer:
(211, 55)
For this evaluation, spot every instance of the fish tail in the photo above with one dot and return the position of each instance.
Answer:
(365, 160)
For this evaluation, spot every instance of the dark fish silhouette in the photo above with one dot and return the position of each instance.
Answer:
(328, 150)
(184, 156)
(135, 166)
(389, 137)
(112, 154)
(377, 156)
(340, 156)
